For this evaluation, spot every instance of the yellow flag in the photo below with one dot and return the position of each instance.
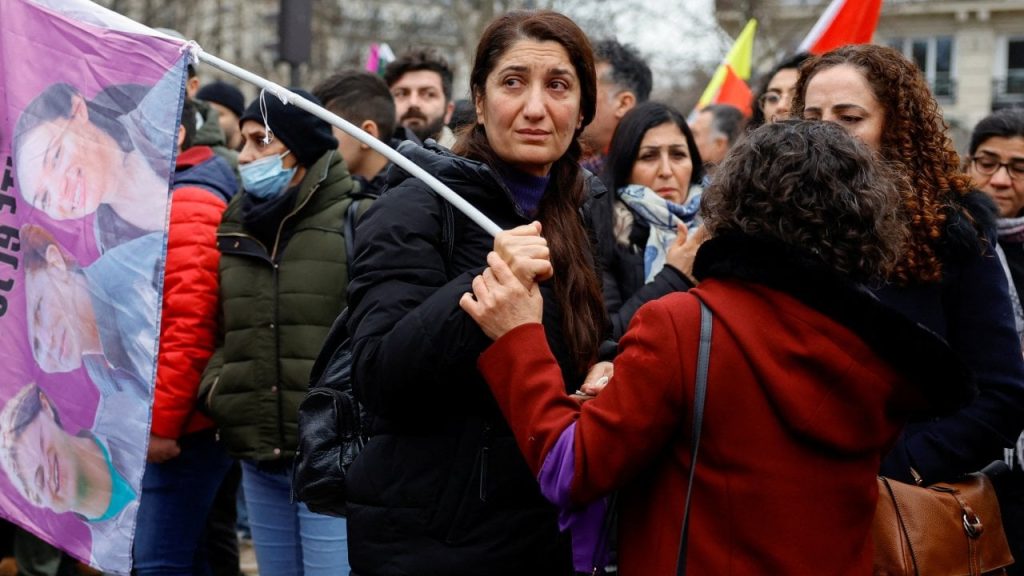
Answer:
(739, 59)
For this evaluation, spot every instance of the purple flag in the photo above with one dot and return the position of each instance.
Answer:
(90, 103)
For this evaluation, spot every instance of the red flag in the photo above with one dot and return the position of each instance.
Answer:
(844, 22)
(735, 91)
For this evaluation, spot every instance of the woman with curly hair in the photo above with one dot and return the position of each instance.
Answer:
(948, 277)
(806, 367)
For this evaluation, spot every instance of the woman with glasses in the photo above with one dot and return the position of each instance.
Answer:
(995, 163)
(949, 277)
(282, 277)
(996, 160)
(775, 97)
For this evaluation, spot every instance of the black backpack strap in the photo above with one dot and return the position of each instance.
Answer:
(447, 232)
(336, 336)
(699, 393)
(351, 215)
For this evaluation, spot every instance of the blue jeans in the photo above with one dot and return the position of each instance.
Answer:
(176, 498)
(289, 539)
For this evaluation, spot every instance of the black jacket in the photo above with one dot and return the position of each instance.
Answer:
(623, 268)
(441, 488)
(970, 308)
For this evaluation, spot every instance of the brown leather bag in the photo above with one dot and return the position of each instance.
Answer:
(946, 529)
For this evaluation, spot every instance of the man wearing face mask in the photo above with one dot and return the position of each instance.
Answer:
(283, 278)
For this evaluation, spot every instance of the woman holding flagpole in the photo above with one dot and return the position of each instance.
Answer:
(441, 487)
(803, 391)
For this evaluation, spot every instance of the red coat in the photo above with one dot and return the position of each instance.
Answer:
(188, 322)
(799, 411)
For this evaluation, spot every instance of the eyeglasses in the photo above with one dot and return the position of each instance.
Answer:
(989, 166)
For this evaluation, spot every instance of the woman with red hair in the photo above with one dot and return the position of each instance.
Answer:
(949, 277)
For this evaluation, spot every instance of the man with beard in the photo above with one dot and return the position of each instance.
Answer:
(421, 83)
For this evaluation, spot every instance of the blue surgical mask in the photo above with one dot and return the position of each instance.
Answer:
(266, 177)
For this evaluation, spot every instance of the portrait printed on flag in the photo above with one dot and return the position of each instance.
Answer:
(88, 136)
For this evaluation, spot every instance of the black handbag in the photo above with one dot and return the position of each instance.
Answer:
(331, 420)
(332, 427)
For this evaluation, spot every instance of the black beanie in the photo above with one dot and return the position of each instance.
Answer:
(307, 136)
(224, 94)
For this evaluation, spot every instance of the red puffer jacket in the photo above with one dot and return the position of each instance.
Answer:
(188, 324)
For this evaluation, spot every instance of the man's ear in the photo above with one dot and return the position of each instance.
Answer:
(448, 111)
(624, 102)
(79, 109)
(370, 127)
(192, 86)
(722, 144)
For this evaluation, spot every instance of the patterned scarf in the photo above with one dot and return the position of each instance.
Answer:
(661, 216)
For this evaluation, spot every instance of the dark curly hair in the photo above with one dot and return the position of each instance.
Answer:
(914, 137)
(812, 186)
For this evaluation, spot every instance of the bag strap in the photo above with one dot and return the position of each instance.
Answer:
(699, 394)
(351, 215)
(447, 231)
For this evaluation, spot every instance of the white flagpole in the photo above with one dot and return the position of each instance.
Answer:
(289, 97)
(824, 21)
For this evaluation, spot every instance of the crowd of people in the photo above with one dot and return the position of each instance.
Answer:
(530, 395)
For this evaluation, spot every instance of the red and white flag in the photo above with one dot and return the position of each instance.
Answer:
(843, 22)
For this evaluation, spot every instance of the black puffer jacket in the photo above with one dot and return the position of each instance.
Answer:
(441, 487)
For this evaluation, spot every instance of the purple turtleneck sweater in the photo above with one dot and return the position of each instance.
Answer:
(526, 189)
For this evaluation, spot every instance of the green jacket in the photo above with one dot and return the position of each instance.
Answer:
(277, 304)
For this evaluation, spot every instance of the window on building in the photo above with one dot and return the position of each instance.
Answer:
(934, 56)
(1015, 66)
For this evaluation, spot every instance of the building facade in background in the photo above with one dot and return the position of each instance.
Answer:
(972, 51)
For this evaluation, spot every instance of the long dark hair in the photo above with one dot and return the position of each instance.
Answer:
(577, 287)
(630, 134)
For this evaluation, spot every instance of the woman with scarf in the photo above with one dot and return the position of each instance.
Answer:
(653, 172)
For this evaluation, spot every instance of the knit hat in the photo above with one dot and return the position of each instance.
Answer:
(307, 136)
(224, 94)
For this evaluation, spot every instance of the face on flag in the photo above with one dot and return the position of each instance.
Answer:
(86, 151)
